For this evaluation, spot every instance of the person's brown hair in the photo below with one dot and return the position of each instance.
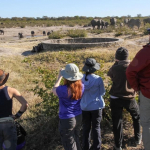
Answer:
(75, 87)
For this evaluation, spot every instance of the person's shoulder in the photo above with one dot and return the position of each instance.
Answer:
(11, 89)
(97, 77)
(62, 87)
(61, 90)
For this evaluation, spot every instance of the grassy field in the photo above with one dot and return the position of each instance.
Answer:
(35, 74)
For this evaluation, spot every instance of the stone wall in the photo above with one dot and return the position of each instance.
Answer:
(79, 43)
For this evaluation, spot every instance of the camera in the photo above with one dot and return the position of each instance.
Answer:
(148, 30)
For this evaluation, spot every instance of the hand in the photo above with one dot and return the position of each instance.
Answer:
(59, 75)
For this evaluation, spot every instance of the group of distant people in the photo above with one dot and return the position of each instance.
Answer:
(81, 102)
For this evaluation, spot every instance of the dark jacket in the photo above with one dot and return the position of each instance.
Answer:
(120, 86)
(138, 72)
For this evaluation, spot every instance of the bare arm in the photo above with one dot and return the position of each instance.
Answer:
(16, 94)
(57, 83)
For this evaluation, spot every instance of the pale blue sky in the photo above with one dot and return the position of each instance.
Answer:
(59, 8)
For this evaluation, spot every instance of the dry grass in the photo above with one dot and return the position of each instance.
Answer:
(22, 73)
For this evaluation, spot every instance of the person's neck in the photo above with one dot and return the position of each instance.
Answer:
(1, 87)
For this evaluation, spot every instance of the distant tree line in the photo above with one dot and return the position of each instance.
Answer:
(53, 21)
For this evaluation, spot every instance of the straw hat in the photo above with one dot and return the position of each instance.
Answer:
(71, 72)
(3, 77)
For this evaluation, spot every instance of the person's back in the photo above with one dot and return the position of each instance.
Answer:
(68, 107)
(7, 125)
(120, 86)
(92, 98)
(5, 103)
(92, 104)
(138, 72)
(138, 75)
(122, 96)
(70, 114)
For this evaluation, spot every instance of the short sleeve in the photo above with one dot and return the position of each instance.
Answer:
(61, 91)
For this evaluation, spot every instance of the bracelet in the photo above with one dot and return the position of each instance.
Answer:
(18, 114)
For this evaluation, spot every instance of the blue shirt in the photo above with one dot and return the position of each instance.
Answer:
(93, 91)
(68, 108)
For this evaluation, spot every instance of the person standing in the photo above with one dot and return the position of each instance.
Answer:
(122, 96)
(92, 104)
(138, 75)
(70, 114)
(8, 133)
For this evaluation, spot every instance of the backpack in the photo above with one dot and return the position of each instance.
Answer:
(21, 133)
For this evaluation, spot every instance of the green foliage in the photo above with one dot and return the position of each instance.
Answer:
(56, 35)
(134, 34)
(77, 33)
(118, 33)
(22, 26)
(97, 31)
(50, 101)
(144, 29)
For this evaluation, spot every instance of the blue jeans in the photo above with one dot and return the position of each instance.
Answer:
(91, 120)
(8, 135)
(69, 131)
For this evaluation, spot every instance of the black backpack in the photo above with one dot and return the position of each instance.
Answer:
(21, 133)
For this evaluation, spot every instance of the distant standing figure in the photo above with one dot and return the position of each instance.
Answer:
(113, 21)
(44, 33)
(92, 104)
(134, 22)
(70, 113)
(20, 35)
(122, 96)
(8, 134)
(32, 33)
(2, 32)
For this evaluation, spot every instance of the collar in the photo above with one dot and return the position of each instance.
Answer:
(123, 62)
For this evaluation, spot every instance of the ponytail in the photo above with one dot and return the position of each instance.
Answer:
(87, 73)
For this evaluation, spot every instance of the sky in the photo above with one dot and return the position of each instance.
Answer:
(59, 8)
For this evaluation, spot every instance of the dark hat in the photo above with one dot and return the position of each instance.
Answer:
(3, 77)
(91, 65)
(121, 53)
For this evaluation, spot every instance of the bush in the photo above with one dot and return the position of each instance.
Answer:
(77, 33)
(133, 33)
(56, 35)
(22, 26)
(118, 34)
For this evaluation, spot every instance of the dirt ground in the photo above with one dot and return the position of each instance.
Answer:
(10, 44)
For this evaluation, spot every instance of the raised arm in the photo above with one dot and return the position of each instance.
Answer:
(57, 83)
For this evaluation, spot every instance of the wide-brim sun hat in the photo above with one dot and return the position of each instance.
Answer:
(3, 77)
(71, 72)
(91, 65)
